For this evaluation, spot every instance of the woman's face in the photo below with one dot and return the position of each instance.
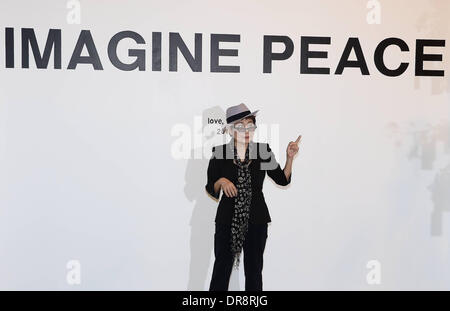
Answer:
(243, 136)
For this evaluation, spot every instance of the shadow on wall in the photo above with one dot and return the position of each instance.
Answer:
(202, 220)
(424, 146)
(434, 23)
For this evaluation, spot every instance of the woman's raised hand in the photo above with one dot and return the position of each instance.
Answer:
(228, 187)
(292, 148)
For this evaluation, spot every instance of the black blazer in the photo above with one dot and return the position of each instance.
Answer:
(222, 164)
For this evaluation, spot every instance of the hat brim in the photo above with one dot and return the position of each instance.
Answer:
(235, 121)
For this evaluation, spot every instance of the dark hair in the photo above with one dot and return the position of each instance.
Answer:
(252, 118)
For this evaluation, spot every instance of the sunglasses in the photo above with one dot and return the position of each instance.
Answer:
(242, 128)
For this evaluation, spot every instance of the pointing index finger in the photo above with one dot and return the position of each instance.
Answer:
(298, 139)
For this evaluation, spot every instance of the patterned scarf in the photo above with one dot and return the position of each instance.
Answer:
(239, 223)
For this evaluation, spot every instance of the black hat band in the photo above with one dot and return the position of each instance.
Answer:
(238, 116)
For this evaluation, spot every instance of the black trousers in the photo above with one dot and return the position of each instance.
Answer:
(253, 250)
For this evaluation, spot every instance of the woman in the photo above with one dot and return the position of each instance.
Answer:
(238, 169)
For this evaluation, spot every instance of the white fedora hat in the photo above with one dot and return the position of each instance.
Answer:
(237, 113)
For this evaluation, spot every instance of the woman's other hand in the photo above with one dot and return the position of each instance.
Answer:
(228, 187)
(292, 148)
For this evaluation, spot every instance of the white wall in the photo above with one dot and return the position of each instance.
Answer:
(87, 169)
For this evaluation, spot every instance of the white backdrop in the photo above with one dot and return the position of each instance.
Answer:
(89, 168)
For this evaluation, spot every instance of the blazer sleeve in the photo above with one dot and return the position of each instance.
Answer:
(274, 169)
(213, 174)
